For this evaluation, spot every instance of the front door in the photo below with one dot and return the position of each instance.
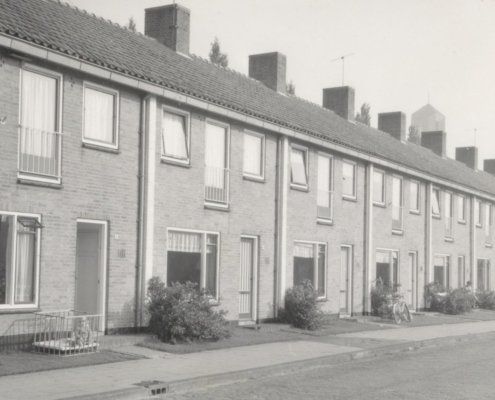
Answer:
(412, 292)
(247, 285)
(345, 281)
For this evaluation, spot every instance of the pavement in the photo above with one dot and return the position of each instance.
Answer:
(160, 373)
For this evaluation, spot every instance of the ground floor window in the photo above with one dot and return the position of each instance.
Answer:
(193, 257)
(441, 271)
(310, 264)
(19, 242)
(387, 267)
(483, 277)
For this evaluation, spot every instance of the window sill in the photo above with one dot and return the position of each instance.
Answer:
(489, 245)
(322, 299)
(436, 216)
(29, 310)
(299, 187)
(449, 239)
(398, 232)
(217, 207)
(349, 198)
(24, 180)
(381, 205)
(322, 221)
(259, 179)
(101, 147)
(415, 212)
(177, 163)
(478, 226)
(461, 221)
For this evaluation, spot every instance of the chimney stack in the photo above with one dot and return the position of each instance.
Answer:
(468, 156)
(393, 123)
(489, 166)
(269, 69)
(340, 100)
(436, 141)
(169, 25)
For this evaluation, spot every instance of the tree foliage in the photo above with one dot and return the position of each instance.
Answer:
(216, 55)
(414, 135)
(291, 88)
(131, 25)
(364, 115)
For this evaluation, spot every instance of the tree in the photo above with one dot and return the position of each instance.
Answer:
(364, 115)
(216, 55)
(414, 135)
(131, 25)
(291, 88)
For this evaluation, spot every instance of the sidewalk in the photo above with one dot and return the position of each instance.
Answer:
(182, 371)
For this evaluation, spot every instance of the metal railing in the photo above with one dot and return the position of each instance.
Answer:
(448, 227)
(397, 218)
(66, 332)
(40, 152)
(216, 185)
(324, 204)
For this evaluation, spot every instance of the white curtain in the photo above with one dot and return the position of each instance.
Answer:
(382, 257)
(184, 242)
(99, 115)
(174, 135)
(298, 166)
(435, 202)
(215, 158)
(348, 178)
(38, 114)
(323, 197)
(396, 192)
(303, 250)
(24, 284)
(252, 154)
(378, 187)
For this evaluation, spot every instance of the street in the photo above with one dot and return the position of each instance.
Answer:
(461, 371)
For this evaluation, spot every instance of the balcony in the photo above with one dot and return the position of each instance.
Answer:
(40, 154)
(449, 227)
(397, 218)
(324, 204)
(217, 185)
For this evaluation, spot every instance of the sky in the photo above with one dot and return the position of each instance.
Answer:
(403, 53)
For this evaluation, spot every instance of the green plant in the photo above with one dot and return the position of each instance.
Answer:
(181, 312)
(301, 307)
(486, 299)
(457, 301)
(381, 297)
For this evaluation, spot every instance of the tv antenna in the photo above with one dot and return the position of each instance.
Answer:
(342, 58)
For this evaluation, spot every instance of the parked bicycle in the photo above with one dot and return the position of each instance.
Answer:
(399, 310)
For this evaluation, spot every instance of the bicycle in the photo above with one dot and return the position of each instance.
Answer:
(400, 311)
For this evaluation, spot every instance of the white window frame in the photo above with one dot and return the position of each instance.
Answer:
(461, 218)
(262, 156)
(203, 257)
(486, 272)
(448, 269)
(346, 196)
(384, 188)
(315, 264)
(478, 216)
(461, 271)
(170, 158)
(60, 80)
(418, 199)
(439, 214)
(488, 224)
(450, 217)
(330, 184)
(401, 205)
(35, 304)
(305, 150)
(397, 285)
(116, 116)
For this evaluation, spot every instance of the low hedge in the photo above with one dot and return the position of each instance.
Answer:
(301, 307)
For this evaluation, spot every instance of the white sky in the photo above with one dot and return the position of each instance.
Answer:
(403, 51)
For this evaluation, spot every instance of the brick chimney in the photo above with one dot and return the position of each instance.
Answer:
(468, 156)
(269, 69)
(436, 141)
(489, 166)
(393, 123)
(340, 100)
(169, 25)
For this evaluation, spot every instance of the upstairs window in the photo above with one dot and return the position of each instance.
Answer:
(397, 198)
(100, 116)
(348, 180)
(477, 212)
(488, 223)
(435, 202)
(299, 166)
(379, 188)
(325, 194)
(414, 194)
(310, 264)
(461, 208)
(254, 155)
(217, 163)
(175, 136)
(448, 210)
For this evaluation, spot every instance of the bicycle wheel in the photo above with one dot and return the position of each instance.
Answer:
(405, 314)
(396, 313)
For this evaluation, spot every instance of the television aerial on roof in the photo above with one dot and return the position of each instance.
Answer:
(343, 63)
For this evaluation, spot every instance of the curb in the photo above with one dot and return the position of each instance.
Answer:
(202, 382)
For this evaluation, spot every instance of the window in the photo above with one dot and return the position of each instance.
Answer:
(193, 257)
(461, 271)
(414, 200)
(40, 140)
(254, 155)
(483, 274)
(397, 203)
(216, 163)
(387, 267)
(299, 166)
(441, 271)
(435, 203)
(310, 264)
(348, 180)
(19, 263)
(325, 194)
(175, 135)
(448, 210)
(461, 208)
(100, 116)
(378, 188)
(477, 212)
(488, 223)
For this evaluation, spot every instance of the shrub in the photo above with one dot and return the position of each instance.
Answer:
(301, 307)
(433, 300)
(181, 312)
(457, 301)
(486, 299)
(381, 297)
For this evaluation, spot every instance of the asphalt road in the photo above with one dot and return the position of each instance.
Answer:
(462, 371)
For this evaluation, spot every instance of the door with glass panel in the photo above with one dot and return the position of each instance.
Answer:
(247, 281)
(345, 300)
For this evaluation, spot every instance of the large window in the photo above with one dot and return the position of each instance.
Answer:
(217, 163)
(397, 199)
(461, 208)
(448, 211)
(193, 257)
(40, 141)
(379, 187)
(100, 116)
(325, 194)
(435, 202)
(461, 271)
(254, 155)
(483, 274)
(175, 136)
(414, 197)
(299, 166)
(19, 244)
(348, 180)
(310, 264)
(441, 270)
(387, 267)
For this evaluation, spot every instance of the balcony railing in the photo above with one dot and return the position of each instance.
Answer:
(217, 185)
(397, 218)
(448, 227)
(324, 204)
(40, 153)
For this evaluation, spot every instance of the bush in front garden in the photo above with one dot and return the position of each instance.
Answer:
(457, 301)
(381, 295)
(301, 307)
(181, 312)
(486, 299)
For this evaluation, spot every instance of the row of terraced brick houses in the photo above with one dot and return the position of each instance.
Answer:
(123, 157)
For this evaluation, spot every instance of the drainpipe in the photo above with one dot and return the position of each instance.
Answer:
(428, 238)
(368, 240)
(472, 244)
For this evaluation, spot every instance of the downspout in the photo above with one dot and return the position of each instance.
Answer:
(472, 244)
(368, 240)
(428, 239)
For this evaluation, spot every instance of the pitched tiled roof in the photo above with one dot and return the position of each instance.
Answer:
(79, 34)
